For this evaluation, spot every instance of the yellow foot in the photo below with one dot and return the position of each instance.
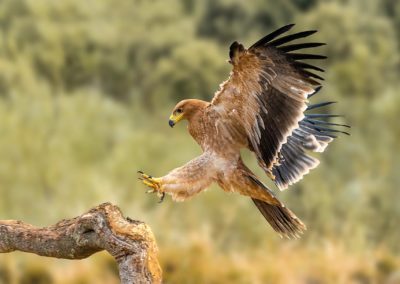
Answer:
(153, 183)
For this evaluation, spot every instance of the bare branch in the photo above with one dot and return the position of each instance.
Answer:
(130, 242)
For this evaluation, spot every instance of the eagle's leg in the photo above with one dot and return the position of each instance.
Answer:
(185, 181)
(153, 183)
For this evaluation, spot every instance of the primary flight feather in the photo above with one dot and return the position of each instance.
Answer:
(260, 107)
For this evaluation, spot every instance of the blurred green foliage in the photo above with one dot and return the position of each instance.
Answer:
(86, 88)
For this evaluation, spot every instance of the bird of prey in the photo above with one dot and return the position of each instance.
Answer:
(262, 107)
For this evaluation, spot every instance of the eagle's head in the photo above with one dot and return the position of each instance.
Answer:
(186, 109)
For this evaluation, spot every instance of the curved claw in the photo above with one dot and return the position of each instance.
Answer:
(162, 196)
(143, 175)
(153, 183)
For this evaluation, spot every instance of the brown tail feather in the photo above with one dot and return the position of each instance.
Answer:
(282, 220)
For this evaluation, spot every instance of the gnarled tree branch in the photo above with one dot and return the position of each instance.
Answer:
(130, 242)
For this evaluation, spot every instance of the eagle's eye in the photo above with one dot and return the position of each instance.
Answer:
(179, 110)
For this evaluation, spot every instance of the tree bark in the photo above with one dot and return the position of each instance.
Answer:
(130, 242)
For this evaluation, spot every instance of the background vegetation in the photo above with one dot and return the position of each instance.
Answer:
(86, 88)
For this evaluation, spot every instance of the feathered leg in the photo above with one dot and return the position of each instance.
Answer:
(183, 182)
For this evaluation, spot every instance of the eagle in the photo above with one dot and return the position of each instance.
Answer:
(261, 107)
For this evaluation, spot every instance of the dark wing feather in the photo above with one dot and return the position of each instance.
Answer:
(300, 56)
(272, 35)
(288, 48)
(303, 66)
(292, 37)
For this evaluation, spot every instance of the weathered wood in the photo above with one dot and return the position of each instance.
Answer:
(130, 242)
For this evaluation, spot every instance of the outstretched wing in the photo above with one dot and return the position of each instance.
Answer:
(265, 96)
(313, 134)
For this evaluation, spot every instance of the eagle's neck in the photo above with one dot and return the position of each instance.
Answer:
(197, 122)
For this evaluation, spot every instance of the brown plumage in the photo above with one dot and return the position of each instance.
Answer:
(260, 107)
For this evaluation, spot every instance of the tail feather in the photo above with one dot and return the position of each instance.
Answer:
(282, 220)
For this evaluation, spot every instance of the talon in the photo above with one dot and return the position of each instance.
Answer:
(153, 183)
(162, 195)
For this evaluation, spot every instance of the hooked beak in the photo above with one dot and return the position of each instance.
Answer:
(174, 119)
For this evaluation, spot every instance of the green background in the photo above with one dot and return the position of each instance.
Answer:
(86, 89)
